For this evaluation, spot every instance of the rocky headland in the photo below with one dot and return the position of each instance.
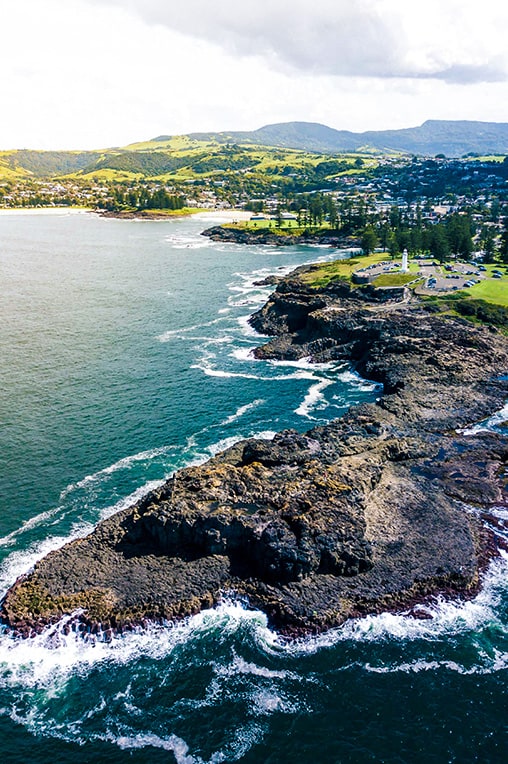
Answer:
(377, 510)
(277, 237)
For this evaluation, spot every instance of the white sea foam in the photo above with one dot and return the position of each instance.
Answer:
(121, 464)
(173, 743)
(28, 525)
(445, 617)
(20, 562)
(183, 241)
(314, 399)
(241, 411)
(50, 658)
(239, 666)
(244, 739)
(243, 354)
(497, 419)
(350, 377)
(207, 368)
(53, 656)
(46, 663)
(171, 333)
(246, 328)
(492, 664)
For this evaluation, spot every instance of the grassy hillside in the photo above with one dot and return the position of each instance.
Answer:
(283, 149)
(43, 164)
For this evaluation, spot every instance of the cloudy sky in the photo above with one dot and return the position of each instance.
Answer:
(99, 73)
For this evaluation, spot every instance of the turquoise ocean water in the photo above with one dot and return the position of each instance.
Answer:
(124, 350)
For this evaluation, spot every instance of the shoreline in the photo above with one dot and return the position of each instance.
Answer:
(279, 238)
(363, 515)
(45, 210)
(162, 215)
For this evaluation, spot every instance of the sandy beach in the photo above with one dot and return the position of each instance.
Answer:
(43, 211)
(224, 216)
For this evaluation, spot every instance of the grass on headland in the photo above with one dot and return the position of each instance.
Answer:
(463, 305)
(253, 225)
(394, 279)
(319, 276)
(491, 290)
(483, 303)
(158, 213)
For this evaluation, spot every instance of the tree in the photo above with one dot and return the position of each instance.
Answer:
(458, 231)
(369, 240)
(439, 245)
(503, 249)
(488, 240)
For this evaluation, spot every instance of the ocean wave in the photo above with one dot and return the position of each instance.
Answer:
(350, 377)
(245, 327)
(239, 664)
(314, 399)
(21, 561)
(498, 662)
(244, 739)
(29, 525)
(241, 411)
(442, 617)
(125, 463)
(167, 336)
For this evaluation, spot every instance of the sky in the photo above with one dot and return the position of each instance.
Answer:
(89, 74)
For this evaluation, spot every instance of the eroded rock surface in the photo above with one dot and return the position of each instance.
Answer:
(367, 513)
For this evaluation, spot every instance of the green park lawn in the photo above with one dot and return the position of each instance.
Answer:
(491, 290)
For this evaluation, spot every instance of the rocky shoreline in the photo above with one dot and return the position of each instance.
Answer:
(375, 511)
(278, 238)
(142, 214)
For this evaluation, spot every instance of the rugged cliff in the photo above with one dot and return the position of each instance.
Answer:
(376, 510)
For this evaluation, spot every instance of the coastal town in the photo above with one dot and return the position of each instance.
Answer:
(437, 206)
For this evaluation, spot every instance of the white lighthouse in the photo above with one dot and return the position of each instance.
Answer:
(405, 266)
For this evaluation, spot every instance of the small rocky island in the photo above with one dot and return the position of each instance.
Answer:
(375, 511)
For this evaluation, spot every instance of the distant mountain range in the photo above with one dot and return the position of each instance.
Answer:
(452, 138)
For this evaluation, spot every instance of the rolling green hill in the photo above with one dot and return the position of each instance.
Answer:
(277, 149)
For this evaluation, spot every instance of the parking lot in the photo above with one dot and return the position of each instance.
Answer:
(448, 278)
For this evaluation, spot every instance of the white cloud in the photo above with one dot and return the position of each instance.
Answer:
(92, 73)
(459, 40)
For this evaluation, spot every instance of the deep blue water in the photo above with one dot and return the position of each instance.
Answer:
(124, 352)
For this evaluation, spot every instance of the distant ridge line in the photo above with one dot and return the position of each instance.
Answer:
(450, 137)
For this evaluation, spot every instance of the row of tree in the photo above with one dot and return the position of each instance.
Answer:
(142, 198)
(453, 236)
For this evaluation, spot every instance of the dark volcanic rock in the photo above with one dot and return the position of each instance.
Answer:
(366, 513)
(271, 236)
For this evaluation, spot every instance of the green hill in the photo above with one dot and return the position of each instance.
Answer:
(280, 149)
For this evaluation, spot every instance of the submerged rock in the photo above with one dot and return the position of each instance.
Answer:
(367, 513)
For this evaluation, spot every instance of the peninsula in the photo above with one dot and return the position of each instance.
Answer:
(374, 511)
